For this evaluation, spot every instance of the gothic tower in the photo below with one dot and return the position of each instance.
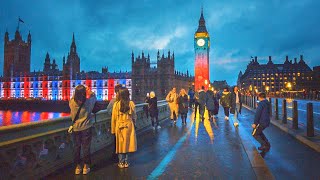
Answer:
(202, 48)
(16, 55)
(72, 66)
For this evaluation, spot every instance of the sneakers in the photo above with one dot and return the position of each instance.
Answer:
(78, 171)
(226, 118)
(174, 122)
(86, 171)
(154, 128)
(158, 127)
(236, 124)
(121, 165)
(126, 164)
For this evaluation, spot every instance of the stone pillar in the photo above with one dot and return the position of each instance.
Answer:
(295, 115)
(284, 111)
(277, 109)
(310, 125)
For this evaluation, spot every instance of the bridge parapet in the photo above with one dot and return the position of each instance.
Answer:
(37, 149)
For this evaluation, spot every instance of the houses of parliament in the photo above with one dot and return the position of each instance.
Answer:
(54, 84)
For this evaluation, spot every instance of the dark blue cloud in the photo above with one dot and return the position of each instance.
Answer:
(107, 31)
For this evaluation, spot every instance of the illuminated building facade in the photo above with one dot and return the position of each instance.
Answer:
(202, 49)
(276, 78)
(51, 83)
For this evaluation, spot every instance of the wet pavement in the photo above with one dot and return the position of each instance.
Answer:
(199, 150)
(205, 150)
(287, 158)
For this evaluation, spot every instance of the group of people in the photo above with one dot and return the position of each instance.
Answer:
(123, 118)
(178, 104)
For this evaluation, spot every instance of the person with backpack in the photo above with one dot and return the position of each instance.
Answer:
(210, 103)
(225, 101)
(191, 97)
(81, 105)
(216, 97)
(123, 126)
(261, 122)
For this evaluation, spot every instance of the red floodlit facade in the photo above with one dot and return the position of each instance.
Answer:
(202, 49)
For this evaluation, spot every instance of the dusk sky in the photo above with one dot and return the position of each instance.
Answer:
(108, 31)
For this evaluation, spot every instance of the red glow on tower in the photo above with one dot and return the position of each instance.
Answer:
(202, 48)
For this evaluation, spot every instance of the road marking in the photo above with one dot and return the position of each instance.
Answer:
(168, 158)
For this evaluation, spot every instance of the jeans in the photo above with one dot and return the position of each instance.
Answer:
(201, 111)
(154, 119)
(226, 111)
(82, 139)
(123, 157)
(236, 113)
(260, 137)
(184, 117)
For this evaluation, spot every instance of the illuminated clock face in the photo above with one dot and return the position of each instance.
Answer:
(201, 42)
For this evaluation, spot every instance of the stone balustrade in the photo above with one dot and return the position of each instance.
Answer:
(30, 151)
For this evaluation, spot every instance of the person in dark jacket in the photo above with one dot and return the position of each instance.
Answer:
(145, 107)
(225, 101)
(236, 105)
(216, 97)
(196, 103)
(210, 103)
(191, 97)
(262, 121)
(202, 102)
(183, 105)
(153, 110)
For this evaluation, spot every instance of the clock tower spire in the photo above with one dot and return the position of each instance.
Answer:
(202, 49)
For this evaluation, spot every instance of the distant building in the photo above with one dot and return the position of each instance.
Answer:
(160, 79)
(16, 55)
(220, 85)
(276, 78)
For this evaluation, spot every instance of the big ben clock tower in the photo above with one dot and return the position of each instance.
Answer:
(202, 48)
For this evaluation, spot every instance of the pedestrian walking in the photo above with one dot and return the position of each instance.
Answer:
(172, 99)
(183, 106)
(191, 97)
(81, 105)
(236, 105)
(261, 122)
(225, 101)
(210, 103)
(145, 107)
(216, 97)
(196, 103)
(122, 125)
(153, 110)
(202, 103)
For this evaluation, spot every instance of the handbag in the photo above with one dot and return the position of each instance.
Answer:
(70, 130)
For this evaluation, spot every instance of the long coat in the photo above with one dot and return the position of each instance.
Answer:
(210, 100)
(183, 104)
(172, 99)
(123, 127)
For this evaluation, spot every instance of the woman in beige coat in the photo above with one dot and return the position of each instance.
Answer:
(172, 99)
(122, 125)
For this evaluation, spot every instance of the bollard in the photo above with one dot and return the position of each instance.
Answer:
(270, 108)
(277, 109)
(310, 126)
(295, 115)
(284, 111)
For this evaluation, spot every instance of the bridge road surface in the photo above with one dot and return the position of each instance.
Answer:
(288, 158)
(199, 150)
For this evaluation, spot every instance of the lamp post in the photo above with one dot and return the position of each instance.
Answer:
(267, 89)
